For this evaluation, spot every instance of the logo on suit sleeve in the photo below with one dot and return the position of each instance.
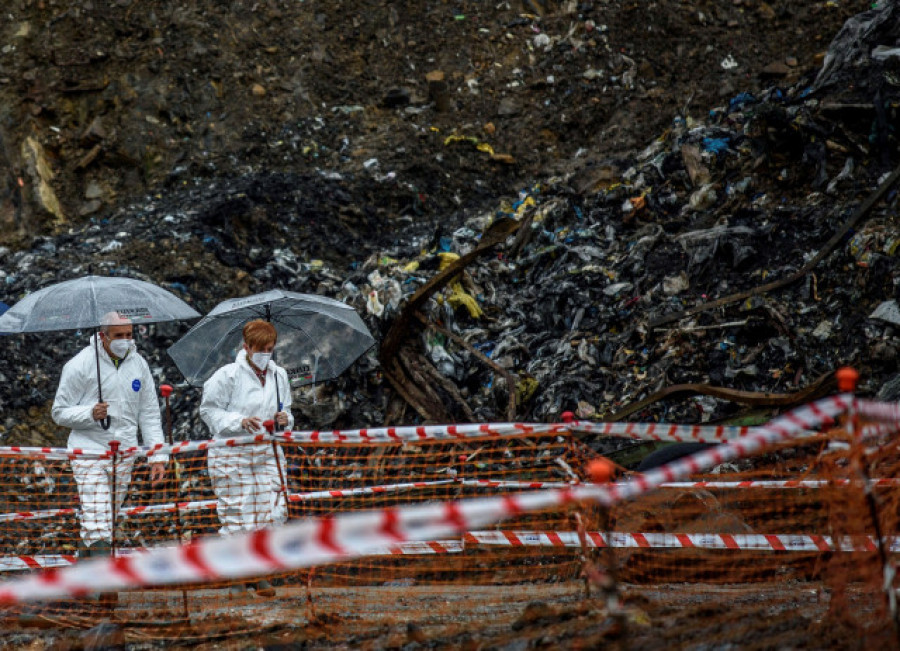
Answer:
(136, 384)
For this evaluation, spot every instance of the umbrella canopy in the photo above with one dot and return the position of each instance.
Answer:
(318, 337)
(82, 303)
(85, 303)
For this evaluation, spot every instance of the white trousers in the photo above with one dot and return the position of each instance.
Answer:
(247, 485)
(94, 480)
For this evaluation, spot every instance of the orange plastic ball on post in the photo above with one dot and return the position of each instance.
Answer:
(601, 470)
(847, 377)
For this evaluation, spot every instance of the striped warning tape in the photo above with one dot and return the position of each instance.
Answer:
(417, 434)
(198, 505)
(742, 542)
(193, 446)
(37, 515)
(411, 434)
(366, 490)
(53, 454)
(888, 412)
(876, 430)
(185, 507)
(663, 431)
(324, 540)
(754, 483)
(36, 562)
(42, 561)
(594, 539)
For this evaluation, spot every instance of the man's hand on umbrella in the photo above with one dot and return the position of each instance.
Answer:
(99, 411)
(251, 424)
(281, 418)
(157, 472)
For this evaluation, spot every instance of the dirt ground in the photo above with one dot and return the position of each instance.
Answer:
(135, 98)
(535, 616)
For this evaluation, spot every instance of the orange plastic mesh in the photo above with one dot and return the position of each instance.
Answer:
(516, 579)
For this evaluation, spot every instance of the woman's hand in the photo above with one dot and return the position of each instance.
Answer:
(281, 418)
(251, 424)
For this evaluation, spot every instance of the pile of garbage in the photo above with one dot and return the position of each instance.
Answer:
(736, 261)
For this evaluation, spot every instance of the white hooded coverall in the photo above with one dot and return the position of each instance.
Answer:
(245, 478)
(130, 392)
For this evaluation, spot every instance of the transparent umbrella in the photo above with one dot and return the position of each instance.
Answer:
(83, 303)
(318, 337)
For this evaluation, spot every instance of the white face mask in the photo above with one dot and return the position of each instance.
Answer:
(261, 360)
(120, 347)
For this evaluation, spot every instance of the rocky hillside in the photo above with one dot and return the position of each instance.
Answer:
(655, 156)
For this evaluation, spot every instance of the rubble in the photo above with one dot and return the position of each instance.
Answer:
(723, 254)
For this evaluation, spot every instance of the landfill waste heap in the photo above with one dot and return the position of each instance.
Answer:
(684, 211)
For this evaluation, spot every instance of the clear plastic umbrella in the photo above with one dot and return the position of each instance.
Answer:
(84, 302)
(318, 337)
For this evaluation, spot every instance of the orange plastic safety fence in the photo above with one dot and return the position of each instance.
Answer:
(777, 529)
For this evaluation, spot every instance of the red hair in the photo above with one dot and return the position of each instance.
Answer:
(259, 334)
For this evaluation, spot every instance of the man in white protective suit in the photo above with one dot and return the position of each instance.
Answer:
(129, 402)
(237, 400)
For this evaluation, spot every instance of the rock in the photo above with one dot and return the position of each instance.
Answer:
(89, 208)
(890, 390)
(508, 107)
(106, 636)
(536, 612)
(93, 190)
(777, 69)
(95, 132)
(40, 173)
(888, 311)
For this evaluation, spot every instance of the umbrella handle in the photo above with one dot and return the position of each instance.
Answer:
(277, 398)
(104, 422)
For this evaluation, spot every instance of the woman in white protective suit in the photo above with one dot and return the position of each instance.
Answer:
(237, 399)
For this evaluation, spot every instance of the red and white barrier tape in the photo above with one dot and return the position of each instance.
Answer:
(410, 434)
(886, 412)
(198, 505)
(37, 515)
(366, 490)
(325, 540)
(593, 539)
(417, 434)
(53, 454)
(733, 541)
(185, 507)
(750, 483)
(663, 431)
(875, 430)
(193, 446)
(36, 562)
(47, 561)
(794, 423)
